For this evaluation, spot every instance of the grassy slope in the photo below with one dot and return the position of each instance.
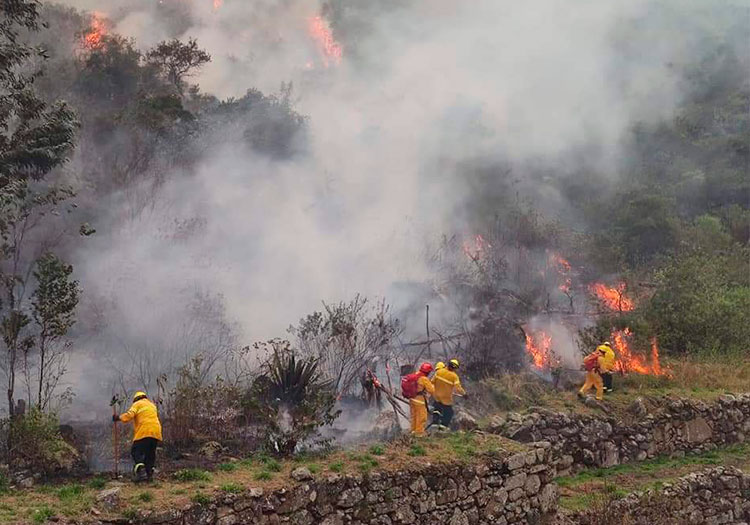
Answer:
(76, 501)
(593, 488)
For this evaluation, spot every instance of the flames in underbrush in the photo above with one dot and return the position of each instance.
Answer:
(476, 248)
(330, 50)
(563, 269)
(613, 299)
(98, 28)
(539, 348)
(629, 361)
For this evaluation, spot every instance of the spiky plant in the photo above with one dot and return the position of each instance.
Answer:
(293, 398)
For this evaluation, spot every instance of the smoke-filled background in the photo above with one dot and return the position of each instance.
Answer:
(395, 127)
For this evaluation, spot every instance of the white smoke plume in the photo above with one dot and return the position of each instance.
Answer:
(431, 84)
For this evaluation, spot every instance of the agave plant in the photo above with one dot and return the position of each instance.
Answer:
(292, 397)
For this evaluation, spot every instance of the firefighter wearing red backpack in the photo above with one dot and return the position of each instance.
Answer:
(416, 387)
(595, 364)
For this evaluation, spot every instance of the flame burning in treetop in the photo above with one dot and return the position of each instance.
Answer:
(218, 4)
(563, 268)
(92, 39)
(627, 361)
(321, 33)
(476, 248)
(613, 298)
(539, 347)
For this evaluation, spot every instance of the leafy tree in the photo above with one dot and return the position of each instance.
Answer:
(54, 302)
(35, 139)
(177, 60)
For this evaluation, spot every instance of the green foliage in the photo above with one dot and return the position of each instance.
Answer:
(292, 398)
(146, 497)
(176, 60)
(130, 514)
(702, 303)
(192, 474)
(227, 467)
(417, 450)
(377, 450)
(200, 498)
(263, 475)
(336, 466)
(232, 488)
(4, 483)
(36, 442)
(97, 483)
(70, 492)
(42, 514)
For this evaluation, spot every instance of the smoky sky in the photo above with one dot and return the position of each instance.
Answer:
(421, 88)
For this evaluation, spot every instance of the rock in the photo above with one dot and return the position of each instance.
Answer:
(109, 499)
(385, 428)
(350, 497)
(638, 407)
(301, 474)
(211, 449)
(464, 421)
(26, 483)
(697, 430)
(591, 402)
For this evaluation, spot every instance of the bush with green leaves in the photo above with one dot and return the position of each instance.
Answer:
(292, 398)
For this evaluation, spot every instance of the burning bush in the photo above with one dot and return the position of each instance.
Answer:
(292, 398)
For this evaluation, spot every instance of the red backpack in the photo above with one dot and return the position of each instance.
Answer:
(591, 362)
(410, 385)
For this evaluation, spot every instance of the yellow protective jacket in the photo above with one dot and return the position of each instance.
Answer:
(606, 361)
(145, 420)
(424, 386)
(446, 382)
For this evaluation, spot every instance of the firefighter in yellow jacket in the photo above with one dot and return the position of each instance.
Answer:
(446, 382)
(596, 364)
(607, 365)
(146, 435)
(418, 403)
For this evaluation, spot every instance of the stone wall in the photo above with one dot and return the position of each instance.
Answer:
(515, 489)
(712, 497)
(681, 426)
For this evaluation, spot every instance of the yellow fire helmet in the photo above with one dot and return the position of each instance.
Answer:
(439, 365)
(139, 395)
(454, 363)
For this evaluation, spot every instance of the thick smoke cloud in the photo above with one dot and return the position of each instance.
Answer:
(432, 84)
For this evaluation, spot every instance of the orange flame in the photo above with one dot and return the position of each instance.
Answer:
(563, 268)
(218, 4)
(321, 33)
(627, 361)
(539, 347)
(613, 298)
(475, 250)
(92, 39)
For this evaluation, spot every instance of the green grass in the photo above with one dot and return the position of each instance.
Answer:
(146, 497)
(192, 474)
(417, 450)
(263, 475)
(232, 488)
(598, 486)
(246, 463)
(314, 468)
(336, 466)
(130, 514)
(227, 467)
(377, 450)
(200, 498)
(42, 514)
(97, 483)
(70, 492)
(272, 465)
(4, 483)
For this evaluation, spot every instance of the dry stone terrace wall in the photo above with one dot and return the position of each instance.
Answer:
(516, 489)
(712, 497)
(682, 426)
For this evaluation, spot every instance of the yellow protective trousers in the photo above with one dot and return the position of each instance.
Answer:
(593, 379)
(418, 413)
